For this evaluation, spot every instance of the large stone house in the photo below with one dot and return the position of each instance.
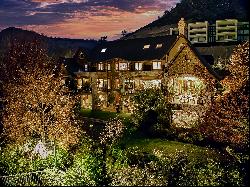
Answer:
(109, 74)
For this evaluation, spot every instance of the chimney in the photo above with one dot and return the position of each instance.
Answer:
(182, 27)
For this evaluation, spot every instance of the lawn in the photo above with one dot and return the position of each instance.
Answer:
(103, 115)
(163, 162)
(169, 148)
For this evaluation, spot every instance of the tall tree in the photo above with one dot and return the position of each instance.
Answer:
(228, 116)
(37, 102)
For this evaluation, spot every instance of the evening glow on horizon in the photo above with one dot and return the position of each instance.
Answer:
(89, 19)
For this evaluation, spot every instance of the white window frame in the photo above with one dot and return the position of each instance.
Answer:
(108, 66)
(138, 66)
(100, 66)
(123, 66)
(157, 65)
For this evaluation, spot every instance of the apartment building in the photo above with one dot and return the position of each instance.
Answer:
(226, 30)
(243, 31)
(198, 32)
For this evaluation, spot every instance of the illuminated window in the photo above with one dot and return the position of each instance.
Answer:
(79, 83)
(100, 66)
(129, 85)
(100, 83)
(109, 67)
(151, 83)
(185, 90)
(158, 46)
(123, 66)
(117, 83)
(157, 65)
(109, 84)
(117, 66)
(146, 46)
(103, 50)
(138, 66)
(85, 67)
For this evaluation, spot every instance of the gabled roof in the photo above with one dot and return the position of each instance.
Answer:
(202, 60)
(132, 49)
(70, 65)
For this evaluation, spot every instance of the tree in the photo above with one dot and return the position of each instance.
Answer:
(124, 33)
(150, 108)
(228, 115)
(38, 103)
(110, 135)
(103, 38)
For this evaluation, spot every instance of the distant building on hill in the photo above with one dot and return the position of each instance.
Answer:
(198, 32)
(227, 30)
(243, 31)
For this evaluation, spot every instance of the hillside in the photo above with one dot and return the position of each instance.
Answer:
(192, 11)
(57, 47)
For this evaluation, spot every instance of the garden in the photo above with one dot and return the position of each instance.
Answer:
(44, 140)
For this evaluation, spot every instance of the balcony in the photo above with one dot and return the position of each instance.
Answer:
(198, 29)
(226, 33)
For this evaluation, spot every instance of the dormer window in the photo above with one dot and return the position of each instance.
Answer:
(146, 46)
(81, 55)
(158, 46)
(103, 50)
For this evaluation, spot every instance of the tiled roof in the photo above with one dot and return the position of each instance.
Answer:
(132, 49)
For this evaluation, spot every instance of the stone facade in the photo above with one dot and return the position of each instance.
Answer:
(189, 81)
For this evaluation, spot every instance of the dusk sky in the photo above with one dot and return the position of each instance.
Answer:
(89, 19)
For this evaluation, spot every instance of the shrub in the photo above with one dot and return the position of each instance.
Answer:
(150, 109)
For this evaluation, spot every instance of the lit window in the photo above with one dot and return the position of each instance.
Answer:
(100, 67)
(109, 67)
(123, 66)
(138, 66)
(129, 85)
(151, 83)
(103, 50)
(86, 67)
(146, 46)
(109, 84)
(158, 46)
(185, 90)
(79, 83)
(117, 83)
(157, 65)
(117, 66)
(100, 83)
